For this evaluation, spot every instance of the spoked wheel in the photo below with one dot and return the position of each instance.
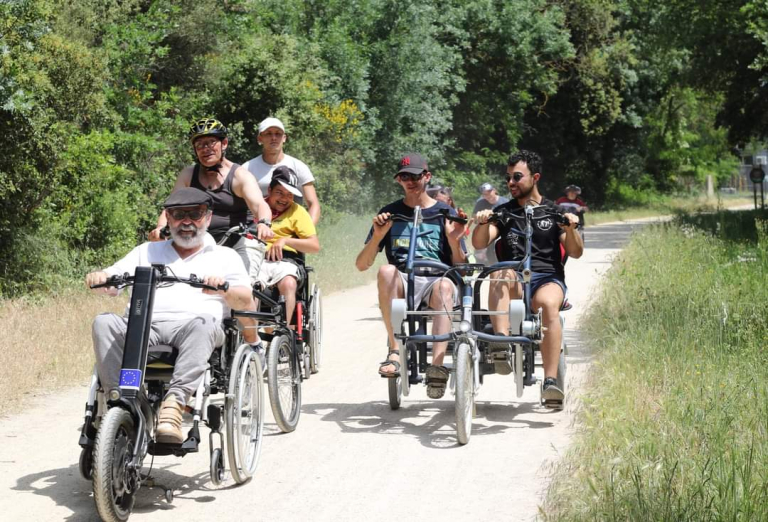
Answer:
(465, 392)
(114, 485)
(284, 382)
(244, 414)
(315, 328)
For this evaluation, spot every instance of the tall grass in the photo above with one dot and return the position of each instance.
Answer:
(46, 341)
(675, 420)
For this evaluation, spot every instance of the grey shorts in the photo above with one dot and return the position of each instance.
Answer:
(422, 290)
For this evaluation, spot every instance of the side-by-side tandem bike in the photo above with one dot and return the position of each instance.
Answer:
(476, 351)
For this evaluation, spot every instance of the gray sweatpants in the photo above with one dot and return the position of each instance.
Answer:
(195, 339)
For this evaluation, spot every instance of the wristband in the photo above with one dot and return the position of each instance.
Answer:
(264, 222)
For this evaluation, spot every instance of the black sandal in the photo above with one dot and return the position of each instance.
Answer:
(396, 363)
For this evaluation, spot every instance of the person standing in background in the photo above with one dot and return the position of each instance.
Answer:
(488, 200)
(272, 138)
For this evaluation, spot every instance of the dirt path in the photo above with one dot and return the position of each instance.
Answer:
(351, 457)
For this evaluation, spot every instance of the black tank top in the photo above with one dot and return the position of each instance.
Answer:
(229, 210)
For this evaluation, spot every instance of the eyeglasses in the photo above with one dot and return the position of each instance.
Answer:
(517, 176)
(407, 176)
(179, 214)
(201, 145)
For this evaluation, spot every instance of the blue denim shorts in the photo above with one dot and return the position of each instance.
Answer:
(538, 279)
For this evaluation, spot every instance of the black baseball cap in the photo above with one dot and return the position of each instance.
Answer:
(412, 163)
(188, 197)
(288, 179)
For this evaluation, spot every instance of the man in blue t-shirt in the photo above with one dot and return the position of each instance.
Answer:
(443, 242)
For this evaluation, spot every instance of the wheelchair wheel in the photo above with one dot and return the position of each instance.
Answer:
(465, 392)
(284, 382)
(244, 414)
(114, 486)
(86, 463)
(217, 467)
(315, 328)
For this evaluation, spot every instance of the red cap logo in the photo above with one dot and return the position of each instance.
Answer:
(405, 161)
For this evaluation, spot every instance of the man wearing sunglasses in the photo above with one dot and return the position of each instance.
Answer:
(184, 317)
(443, 242)
(548, 278)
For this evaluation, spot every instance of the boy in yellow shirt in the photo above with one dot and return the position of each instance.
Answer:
(294, 231)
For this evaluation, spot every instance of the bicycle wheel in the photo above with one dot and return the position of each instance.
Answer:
(395, 392)
(465, 392)
(315, 329)
(284, 382)
(114, 486)
(244, 413)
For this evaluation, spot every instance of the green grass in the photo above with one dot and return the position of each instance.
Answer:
(341, 239)
(674, 424)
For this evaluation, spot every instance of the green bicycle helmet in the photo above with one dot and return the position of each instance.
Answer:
(207, 127)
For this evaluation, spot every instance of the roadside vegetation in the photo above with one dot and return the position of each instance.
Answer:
(674, 421)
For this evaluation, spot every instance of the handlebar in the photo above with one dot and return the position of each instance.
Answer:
(242, 230)
(444, 213)
(121, 281)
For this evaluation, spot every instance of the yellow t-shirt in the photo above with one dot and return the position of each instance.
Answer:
(294, 222)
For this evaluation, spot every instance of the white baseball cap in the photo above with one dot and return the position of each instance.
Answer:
(271, 122)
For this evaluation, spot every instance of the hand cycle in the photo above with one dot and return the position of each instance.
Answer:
(115, 441)
(294, 344)
(525, 323)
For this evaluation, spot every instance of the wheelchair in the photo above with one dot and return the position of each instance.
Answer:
(119, 427)
(294, 344)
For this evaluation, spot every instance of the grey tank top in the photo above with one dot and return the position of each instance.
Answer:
(229, 210)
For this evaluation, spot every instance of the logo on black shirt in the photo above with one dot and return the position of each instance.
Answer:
(544, 224)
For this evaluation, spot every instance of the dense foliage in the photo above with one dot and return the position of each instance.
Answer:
(619, 96)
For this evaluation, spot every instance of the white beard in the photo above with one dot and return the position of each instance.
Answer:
(187, 242)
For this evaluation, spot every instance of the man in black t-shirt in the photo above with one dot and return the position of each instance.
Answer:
(548, 277)
(442, 242)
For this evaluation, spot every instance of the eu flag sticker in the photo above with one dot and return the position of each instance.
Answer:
(130, 379)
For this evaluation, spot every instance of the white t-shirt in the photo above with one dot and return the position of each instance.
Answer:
(263, 171)
(179, 301)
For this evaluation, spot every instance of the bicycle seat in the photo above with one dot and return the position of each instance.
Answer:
(161, 357)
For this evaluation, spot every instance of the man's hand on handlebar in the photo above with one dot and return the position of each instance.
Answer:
(99, 278)
(483, 216)
(264, 232)
(572, 219)
(381, 225)
(215, 281)
(455, 228)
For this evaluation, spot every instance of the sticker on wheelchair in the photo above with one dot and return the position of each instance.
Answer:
(255, 250)
(130, 379)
